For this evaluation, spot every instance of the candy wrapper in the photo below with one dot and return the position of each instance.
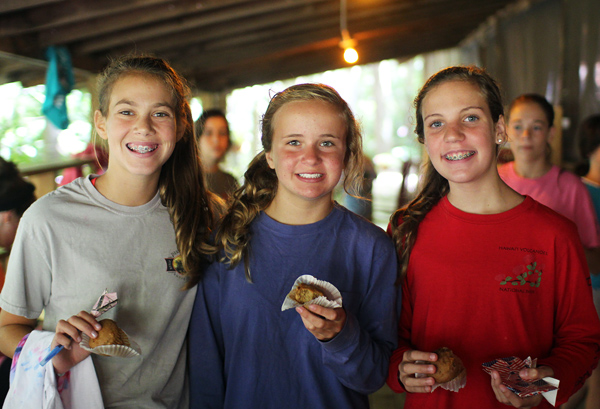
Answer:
(105, 302)
(332, 298)
(509, 368)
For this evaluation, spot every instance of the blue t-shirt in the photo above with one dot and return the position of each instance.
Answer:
(595, 194)
(247, 353)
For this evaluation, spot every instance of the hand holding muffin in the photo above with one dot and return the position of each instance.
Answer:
(450, 372)
(324, 323)
(111, 341)
(69, 334)
(414, 374)
(423, 372)
(319, 304)
(109, 334)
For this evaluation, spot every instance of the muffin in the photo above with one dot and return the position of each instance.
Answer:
(304, 293)
(110, 334)
(448, 365)
(310, 290)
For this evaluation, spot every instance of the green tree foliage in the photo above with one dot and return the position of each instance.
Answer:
(23, 127)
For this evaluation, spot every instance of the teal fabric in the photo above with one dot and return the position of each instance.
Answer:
(59, 82)
(595, 194)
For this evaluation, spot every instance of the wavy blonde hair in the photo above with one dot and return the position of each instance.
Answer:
(181, 183)
(405, 221)
(260, 181)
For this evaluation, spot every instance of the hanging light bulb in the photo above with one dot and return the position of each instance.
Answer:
(347, 43)
(350, 55)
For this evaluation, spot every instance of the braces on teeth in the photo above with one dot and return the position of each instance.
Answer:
(459, 156)
(142, 149)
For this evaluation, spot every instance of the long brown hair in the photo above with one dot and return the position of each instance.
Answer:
(405, 221)
(260, 181)
(181, 184)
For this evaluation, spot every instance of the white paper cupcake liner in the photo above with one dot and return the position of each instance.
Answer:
(453, 385)
(332, 299)
(121, 351)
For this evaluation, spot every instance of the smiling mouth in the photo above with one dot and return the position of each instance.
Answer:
(459, 156)
(141, 148)
(310, 175)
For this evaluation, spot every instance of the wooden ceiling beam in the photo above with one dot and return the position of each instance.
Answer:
(300, 65)
(310, 16)
(221, 44)
(68, 12)
(169, 17)
(286, 42)
(195, 28)
(387, 43)
(312, 29)
(144, 14)
(7, 6)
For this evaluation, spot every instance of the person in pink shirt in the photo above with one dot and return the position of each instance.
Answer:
(530, 129)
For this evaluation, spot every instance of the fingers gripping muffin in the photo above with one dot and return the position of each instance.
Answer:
(110, 334)
(448, 365)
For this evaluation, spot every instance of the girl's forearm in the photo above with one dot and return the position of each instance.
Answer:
(12, 332)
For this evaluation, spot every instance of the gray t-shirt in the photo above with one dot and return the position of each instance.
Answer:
(71, 245)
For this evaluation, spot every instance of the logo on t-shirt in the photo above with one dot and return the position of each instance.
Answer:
(175, 266)
(526, 276)
(530, 277)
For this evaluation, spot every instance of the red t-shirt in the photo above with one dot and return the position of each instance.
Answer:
(2, 274)
(463, 291)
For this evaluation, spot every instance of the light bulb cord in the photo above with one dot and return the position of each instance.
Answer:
(343, 20)
(347, 42)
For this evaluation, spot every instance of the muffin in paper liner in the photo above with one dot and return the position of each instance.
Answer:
(455, 384)
(121, 351)
(332, 298)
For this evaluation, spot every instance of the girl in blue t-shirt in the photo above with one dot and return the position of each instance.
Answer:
(245, 352)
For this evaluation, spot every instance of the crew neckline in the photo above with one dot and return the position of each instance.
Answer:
(487, 218)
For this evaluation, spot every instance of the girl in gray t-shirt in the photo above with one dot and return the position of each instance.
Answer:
(134, 230)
